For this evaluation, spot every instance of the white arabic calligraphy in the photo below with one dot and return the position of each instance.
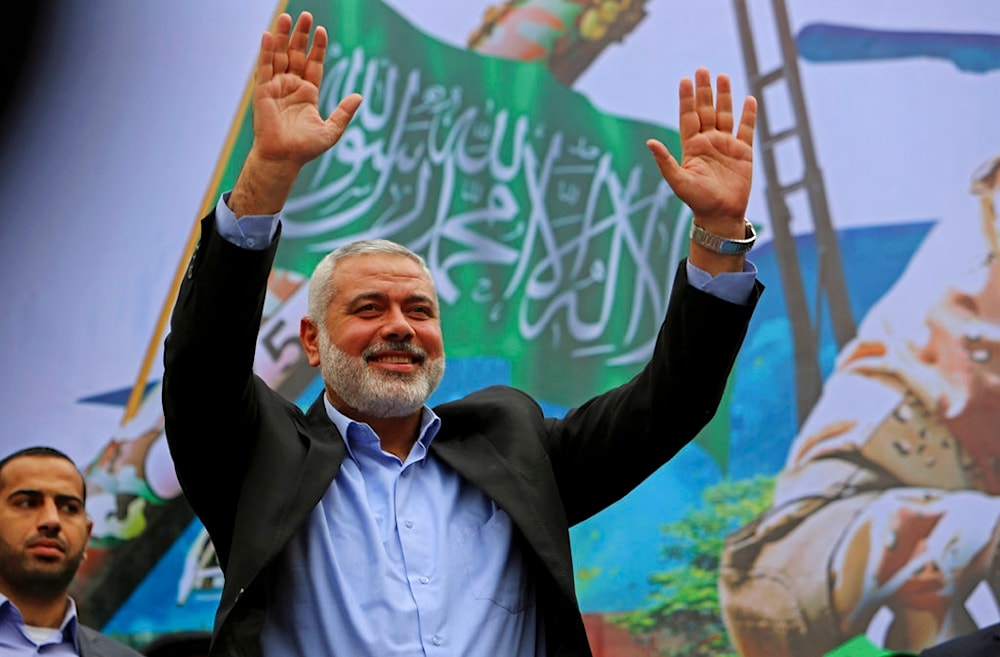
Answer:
(562, 236)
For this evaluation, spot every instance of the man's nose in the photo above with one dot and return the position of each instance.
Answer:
(397, 326)
(48, 517)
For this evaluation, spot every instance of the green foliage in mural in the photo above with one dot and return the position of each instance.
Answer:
(683, 618)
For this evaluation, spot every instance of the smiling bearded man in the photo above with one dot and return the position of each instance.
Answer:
(370, 523)
(373, 318)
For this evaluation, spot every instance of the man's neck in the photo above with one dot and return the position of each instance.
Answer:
(397, 435)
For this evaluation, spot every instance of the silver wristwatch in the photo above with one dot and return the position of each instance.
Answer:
(723, 245)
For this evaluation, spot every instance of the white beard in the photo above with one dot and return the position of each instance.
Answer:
(374, 392)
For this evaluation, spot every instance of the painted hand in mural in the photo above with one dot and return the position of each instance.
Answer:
(288, 127)
(714, 173)
(911, 552)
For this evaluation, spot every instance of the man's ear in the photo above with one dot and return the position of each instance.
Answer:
(309, 335)
(86, 541)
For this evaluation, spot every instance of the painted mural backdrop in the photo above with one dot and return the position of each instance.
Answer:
(846, 491)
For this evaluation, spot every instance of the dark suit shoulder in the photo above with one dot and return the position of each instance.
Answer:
(479, 406)
(984, 642)
(95, 644)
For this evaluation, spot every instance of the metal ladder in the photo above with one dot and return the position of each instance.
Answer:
(806, 323)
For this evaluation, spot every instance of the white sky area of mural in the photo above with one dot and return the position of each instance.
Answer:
(90, 218)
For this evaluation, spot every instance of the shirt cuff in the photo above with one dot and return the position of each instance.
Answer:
(735, 287)
(253, 231)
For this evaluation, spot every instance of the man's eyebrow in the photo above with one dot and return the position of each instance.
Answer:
(367, 296)
(420, 298)
(381, 296)
(32, 492)
(69, 497)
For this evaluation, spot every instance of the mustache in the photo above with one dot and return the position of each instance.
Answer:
(374, 351)
(47, 541)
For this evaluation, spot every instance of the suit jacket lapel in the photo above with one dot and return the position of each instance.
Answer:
(474, 458)
(326, 452)
(83, 639)
(320, 464)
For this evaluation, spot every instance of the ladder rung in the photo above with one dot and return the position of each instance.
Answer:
(772, 140)
(772, 77)
(794, 187)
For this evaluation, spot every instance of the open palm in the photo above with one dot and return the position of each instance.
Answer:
(287, 123)
(714, 175)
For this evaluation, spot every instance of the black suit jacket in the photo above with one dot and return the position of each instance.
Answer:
(94, 644)
(981, 643)
(253, 465)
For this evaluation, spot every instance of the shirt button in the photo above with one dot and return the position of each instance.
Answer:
(251, 242)
(408, 523)
(436, 640)
(425, 580)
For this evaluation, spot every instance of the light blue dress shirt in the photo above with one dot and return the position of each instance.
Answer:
(401, 558)
(16, 641)
(406, 558)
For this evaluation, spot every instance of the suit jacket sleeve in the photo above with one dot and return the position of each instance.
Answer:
(211, 398)
(603, 449)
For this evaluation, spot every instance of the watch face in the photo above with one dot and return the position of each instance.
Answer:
(730, 247)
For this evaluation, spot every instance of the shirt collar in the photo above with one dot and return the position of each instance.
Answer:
(353, 432)
(68, 627)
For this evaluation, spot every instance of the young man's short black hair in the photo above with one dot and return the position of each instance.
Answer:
(41, 450)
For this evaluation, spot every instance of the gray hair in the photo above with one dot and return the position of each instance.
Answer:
(321, 289)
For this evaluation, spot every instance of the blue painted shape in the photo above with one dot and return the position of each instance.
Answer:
(152, 608)
(824, 42)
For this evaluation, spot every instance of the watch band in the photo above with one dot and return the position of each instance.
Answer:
(724, 245)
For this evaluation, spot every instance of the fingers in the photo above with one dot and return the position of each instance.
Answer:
(724, 104)
(703, 111)
(344, 113)
(313, 68)
(688, 122)
(265, 59)
(665, 161)
(280, 49)
(298, 41)
(284, 49)
(704, 105)
(748, 119)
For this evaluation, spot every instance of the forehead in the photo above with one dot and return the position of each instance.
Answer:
(46, 473)
(381, 272)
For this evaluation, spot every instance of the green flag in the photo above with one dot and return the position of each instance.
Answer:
(861, 646)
